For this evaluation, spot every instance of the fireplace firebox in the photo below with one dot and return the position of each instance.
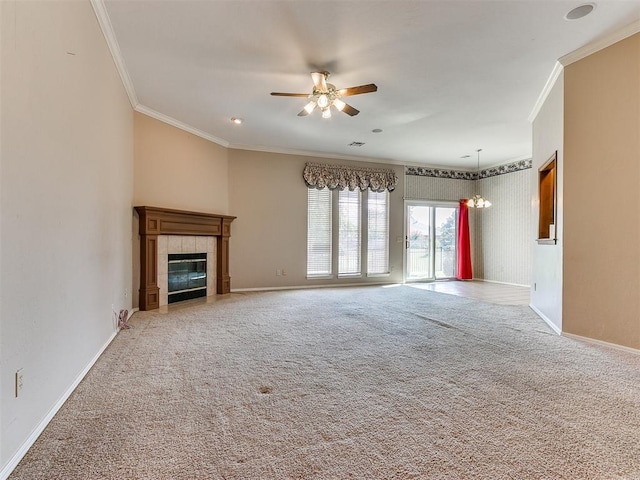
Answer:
(187, 275)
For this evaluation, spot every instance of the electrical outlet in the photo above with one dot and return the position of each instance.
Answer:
(278, 272)
(19, 381)
(284, 272)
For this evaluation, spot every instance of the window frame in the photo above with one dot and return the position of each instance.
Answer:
(363, 216)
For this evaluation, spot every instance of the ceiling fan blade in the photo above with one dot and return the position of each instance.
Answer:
(369, 88)
(319, 80)
(349, 110)
(280, 94)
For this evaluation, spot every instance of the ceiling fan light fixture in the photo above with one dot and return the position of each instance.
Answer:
(309, 107)
(325, 95)
(323, 101)
(339, 104)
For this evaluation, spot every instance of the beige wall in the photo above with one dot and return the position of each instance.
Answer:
(176, 169)
(66, 183)
(601, 202)
(268, 195)
(548, 137)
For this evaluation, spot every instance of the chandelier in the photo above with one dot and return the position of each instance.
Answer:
(478, 201)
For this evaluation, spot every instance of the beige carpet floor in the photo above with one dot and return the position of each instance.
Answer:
(366, 383)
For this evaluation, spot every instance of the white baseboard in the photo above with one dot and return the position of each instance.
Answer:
(502, 283)
(614, 346)
(552, 325)
(300, 287)
(24, 448)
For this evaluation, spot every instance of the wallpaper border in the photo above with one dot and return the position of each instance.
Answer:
(464, 175)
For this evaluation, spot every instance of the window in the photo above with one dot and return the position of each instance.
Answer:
(347, 233)
(319, 236)
(378, 233)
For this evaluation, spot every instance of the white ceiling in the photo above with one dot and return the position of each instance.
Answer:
(452, 76)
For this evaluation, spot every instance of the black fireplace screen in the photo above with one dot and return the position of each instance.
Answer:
(187, 276)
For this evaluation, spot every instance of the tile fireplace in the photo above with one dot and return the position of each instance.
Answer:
(166, 231)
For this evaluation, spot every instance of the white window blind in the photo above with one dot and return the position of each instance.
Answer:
(378, 233)
(319, 232)
(349, 232)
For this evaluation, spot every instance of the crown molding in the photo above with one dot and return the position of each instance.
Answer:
(178, 124)
(579, 54)
(107, 30)
(600, 44)
(309, 153)
(551, 81)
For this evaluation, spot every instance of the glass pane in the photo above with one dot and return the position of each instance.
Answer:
(419, 242)
(349, 232)
(378, 232)
(319, 232)
(187, 271)
(445, 252)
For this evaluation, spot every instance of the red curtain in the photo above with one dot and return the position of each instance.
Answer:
(464, 243)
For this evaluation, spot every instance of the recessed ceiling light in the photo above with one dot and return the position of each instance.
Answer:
(581, 11)
(377, 130)
(236, 120)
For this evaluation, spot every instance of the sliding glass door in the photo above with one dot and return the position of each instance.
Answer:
(430, 252)
(418, 264)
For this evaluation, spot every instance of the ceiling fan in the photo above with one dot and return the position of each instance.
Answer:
(325, 95)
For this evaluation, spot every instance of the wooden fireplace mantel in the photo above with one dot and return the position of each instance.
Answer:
(156, 221)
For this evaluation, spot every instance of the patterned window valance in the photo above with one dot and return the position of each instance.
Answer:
(339, 177)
